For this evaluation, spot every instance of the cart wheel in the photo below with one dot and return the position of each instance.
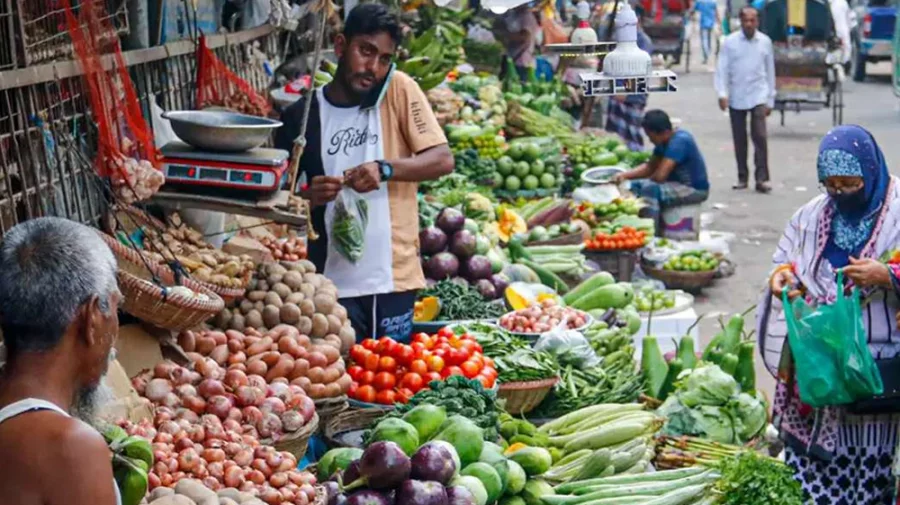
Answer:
(837, 104)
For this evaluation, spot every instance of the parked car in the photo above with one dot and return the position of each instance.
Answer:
(872, 38)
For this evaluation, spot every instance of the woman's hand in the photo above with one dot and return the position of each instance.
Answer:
(868, 273)
(784, 278)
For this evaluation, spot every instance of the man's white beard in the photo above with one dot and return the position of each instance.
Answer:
(90, 401)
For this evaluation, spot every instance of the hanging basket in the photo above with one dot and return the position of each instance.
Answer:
(523, 397)
(297, 442)
(160, 307)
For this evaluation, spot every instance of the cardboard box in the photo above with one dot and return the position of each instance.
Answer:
(250, 246)
(128, 404)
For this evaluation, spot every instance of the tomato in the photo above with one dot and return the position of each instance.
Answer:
(445, 332)
(489, 371)
(354, 387)
(355, 371)
(386, 397)
(471, 346)
(366, 394)
(403, 395)
(483, 380)
(404, 355)
(420, 337)
(357, 353)
(432, 376)
(418, 348)
(371, 362)
(470, 369)
(435, 363)
(386, 346)
(387, 364)
(366, 377)
(418, 366)
(412, 381)
(457, 356)
(384, 380)
(452, 370)
(370, 344)
(440, 353)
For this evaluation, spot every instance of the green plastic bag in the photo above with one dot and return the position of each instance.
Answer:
(828, 344)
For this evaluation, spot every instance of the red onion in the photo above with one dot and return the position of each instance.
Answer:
(187, 414)
(307, 407)
(292, 421)
(219, 406)
(210, 421)
(272, 406)
(158, 389)
(197, 433)
(287, 495)
(163, 414)
(169, 427)
(139, 384)
(257, 381)
(256, 477)
(171, 400)
(232, 425)
(274, 460)
(185, 390)
(277, 388)
(213, 443)
(188, 459)
(262, 451)
(235, 414)
(213, 455)
(211, 483)
(181, 376)
(232, 449)
(309, 490)
(243, 458)
(163, 438)
(278, 479)
(234, 477)
(196, 404)
(164, 370)
(288, 463)
(270, 496)
(270, 426)
(235, 379)
(249, 396)
(183, 444)
(210, 387)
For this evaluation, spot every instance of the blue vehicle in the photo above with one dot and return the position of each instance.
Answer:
(872, 36)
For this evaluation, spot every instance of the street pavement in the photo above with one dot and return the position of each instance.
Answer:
(759, 220)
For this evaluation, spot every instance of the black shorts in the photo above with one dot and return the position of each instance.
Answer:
(385, 315)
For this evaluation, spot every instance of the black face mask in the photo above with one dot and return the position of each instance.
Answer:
(849, 202)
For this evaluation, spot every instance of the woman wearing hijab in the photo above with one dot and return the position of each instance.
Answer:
(841, 458)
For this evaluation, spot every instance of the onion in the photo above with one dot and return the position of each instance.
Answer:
(274, 460)
(235, 379)
(269, 426)
(309, 490)
(301, 499)
(213, 443)
(256, 477)
(232, 425)
(163, 414)
(252, 415)
(181, 376)
(160, 467)
(213, 455)
(234, 477)
(232, 449)
(205, 366)
(196, 405)
(158, 389)
(211, 483)
(243, 458)
(270, 496)
(235, 414)
(163, 438)
(139, 384)
(250, 435)
(188, 459)
(278, 479)
(272, 406)
(185, 390)
(257, 381)
(169, 427)
(210, 421)
(286, 494)
(184, 443)
(292, 421)
(307, 407)
(187, 414)
(216, 470)
(277, 388)
(210, 387)
(219, 406)
(153, 481)
(164, 370)
(200, 471)
(249, 396)
(197, 433)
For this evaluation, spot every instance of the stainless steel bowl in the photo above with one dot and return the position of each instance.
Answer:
(221, 130)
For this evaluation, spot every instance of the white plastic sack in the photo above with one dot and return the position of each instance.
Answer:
(569, 346)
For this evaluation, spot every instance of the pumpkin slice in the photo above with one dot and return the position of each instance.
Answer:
(426, 309)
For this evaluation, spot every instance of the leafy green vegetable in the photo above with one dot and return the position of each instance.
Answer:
(752, 479)
(495, 341)
(461, 303)
(526, 365)
(749, 415)
(349, 226)
(708, 385)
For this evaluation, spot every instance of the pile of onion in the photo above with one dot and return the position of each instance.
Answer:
(282, 354)
(220, 456)
(287, 248)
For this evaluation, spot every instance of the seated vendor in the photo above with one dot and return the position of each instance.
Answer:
(675, 174)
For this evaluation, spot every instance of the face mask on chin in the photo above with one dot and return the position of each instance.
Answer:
(849, 202)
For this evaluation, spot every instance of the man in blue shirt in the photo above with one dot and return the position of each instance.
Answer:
(675, 174)
(709, 17)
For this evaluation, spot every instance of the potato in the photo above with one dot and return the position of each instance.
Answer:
(339, 311)
(271, 316)
(230, 493)
(254, 319)
(290, 313)
(308, 290)
(293, 280)
(223, 319)
(282, 368)
(196, 491)
(314, 279)
(175, 499)
(304, 326)
(332, 354)
(259, 347)
(307, 308)
(273, 298)
(334, 324)
(334, 342)
(282, 289)
(256, 296)
(294, 298)
(276, 269)
(348, 337)
(274, 279)
(319, 326)
(324, 303)
(246, 305)
(204, 345)
(262, 285)
(238, 322)
(259, 306)
(227, 501)
(160, 492)
(307, 266)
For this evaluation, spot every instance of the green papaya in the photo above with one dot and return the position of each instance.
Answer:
(336, 460)
(426, 419)
(398, 431)
(612, 296)
(534, 460)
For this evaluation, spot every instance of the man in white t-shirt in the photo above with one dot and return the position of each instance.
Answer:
(371, 130)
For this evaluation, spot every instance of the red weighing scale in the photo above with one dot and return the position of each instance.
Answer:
(259, 170)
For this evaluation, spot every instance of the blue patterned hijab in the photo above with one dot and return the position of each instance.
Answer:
(851, 150)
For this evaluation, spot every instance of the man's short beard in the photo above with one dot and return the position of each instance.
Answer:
(91, 399)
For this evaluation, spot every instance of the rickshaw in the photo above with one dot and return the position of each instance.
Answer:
(665, 22)
(808, 73)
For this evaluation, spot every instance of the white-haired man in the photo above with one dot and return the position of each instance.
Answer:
(58, 302)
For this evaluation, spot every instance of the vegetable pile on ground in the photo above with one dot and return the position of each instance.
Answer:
(291, 293)
(458, 395)
(281, 353)
(385, 371)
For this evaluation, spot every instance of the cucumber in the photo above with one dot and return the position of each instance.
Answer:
(660, 476)
(547, 277)
(593, 282)
(681, 496)
(648, 488)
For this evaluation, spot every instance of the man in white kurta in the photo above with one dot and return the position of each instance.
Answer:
(841, 12)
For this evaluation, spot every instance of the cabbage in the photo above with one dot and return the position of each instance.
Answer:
(749, 416)
(708, 385)
(714, 423)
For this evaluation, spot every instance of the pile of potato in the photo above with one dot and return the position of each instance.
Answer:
(204, 262)
(291, 293)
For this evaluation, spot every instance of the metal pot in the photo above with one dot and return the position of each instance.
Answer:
(221, 130)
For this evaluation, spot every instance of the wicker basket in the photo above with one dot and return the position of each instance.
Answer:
(350, 420)
(618, 263)
(523, 397)
(149, 302)
(297, 442)
(327, 408)
(673, 279)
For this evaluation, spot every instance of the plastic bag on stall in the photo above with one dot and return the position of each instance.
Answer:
(218, 86)
(569, 346)
(833, 364)
(348, 226)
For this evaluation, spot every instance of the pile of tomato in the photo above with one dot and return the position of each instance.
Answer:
(385, 371)
(624, 238)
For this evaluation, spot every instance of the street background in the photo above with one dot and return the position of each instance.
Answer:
(759, 220)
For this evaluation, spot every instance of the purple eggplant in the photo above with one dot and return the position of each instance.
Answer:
(383, 465)
(418, 492)
(433, 462)
(367, 497)
(459, 495)
(351, 473)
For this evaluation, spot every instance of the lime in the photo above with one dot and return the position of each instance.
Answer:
(505, 165)
(530, 182)
(537, 168)
(532, 152)
(513, 183)
(515, 151)
(498, 179)
(548, 181)
(522, 169)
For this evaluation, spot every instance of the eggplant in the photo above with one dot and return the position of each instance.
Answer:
(383, 465)
(351, 473)
(442, 265)
(433, 462)
(459, 495)
(418, 492)
(367, 497)
(450, 220)
(432, 240)
(333, 493)
(463, 244)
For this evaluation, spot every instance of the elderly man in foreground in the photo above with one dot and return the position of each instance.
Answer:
(58, 301)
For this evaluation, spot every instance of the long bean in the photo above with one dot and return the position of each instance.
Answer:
(461, 303)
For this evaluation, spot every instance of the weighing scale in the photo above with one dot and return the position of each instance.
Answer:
(260, 170)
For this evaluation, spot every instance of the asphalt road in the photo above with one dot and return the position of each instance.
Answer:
(759, 220)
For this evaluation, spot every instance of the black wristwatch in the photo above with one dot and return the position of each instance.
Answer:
(385, 169)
